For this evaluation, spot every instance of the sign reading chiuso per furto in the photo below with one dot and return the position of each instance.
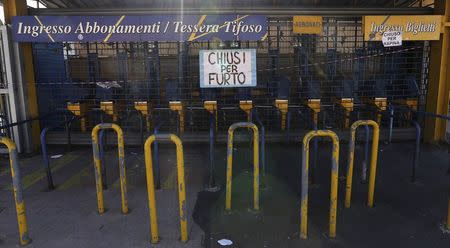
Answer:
(139, 28)
(227, 68)
(418, 27)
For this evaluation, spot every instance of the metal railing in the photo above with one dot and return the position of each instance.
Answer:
(305, 182)
(98, 166)
(255, 163)
(151, 185)
(43, 137)
(373, 160)
(24, 239)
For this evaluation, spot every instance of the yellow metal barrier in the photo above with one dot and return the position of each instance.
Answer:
(151, 185)
(24, 239)
(79, 109)
(283, 106)
(448, 215)
(347, 105)
(305, 180)
(178, 107)
(373, 160)
(255, 163)
(247, 106)
(98, 166)
(146, 110)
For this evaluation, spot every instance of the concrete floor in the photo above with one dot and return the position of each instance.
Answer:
(405, 214)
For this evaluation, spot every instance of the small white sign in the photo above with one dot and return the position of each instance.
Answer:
(392, 38)
(227, 68)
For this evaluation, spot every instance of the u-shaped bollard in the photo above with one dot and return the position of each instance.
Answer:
(151, 185)
(334, 181)
(373, 161)
(98, 166)
(24, 239)
(255, 163)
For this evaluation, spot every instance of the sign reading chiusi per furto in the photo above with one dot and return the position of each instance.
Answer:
(417, 27)
(227, 68)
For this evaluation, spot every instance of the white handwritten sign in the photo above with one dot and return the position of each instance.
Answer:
(227, 68)
(392, 38)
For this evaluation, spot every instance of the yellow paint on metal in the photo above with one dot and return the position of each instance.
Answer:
(79, 109)
(283, 106)
(255, 163)
(17, 190)
(373, 161)
(448, 215)
(438, 89)
(211, 107)
(247, 107)
(146, 109)
(178, 107)
(110, 108)
(334, 182)
(347, 104)
(314, 105)
(151, 186)
(98, 165)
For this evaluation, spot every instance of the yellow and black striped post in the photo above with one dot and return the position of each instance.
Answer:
(305, 181)
(98, 166)
(255, 163)
(24, 239)
(151, 185)
(373, 161)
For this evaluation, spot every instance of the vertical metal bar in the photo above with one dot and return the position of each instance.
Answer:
(156, 157)
(373, 164)
(151, 186)
(229, 169)
(391, 123)
(366, 155)
(417, 151)
(448, 215)
(46, 159)
(24, 239)
(102, 142)
(181, 188)
(334, 182)
(97, 170)
(212, 120)
(123, 177)
(373, 161)
(151, 190)
(141, 129)
(255, 163)
(98, 165)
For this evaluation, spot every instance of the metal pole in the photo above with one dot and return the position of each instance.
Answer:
(50, 184)
(24, 239)
(373, 161)
(151, 186)
(417, 151)
(334, 182)
(366, 155)
(391, 123)
(255, 163)
(98, 165)
(102, 139)
(212, 126)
